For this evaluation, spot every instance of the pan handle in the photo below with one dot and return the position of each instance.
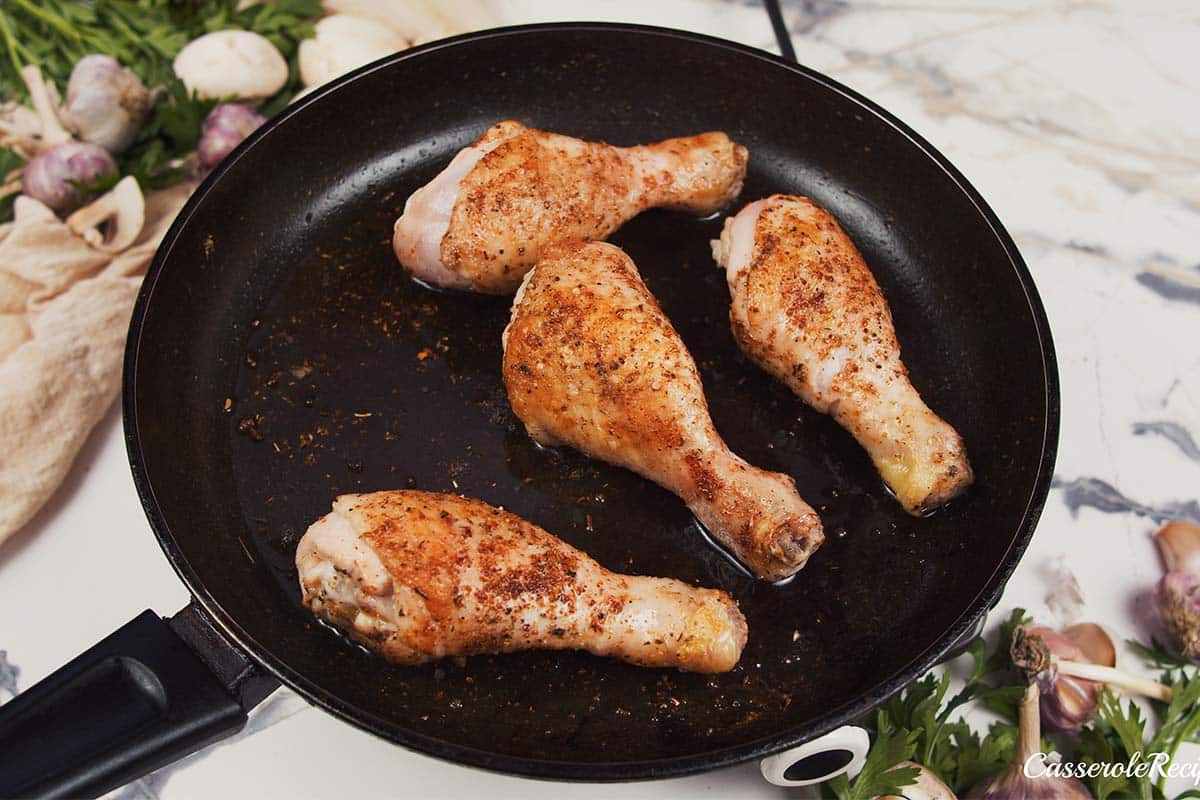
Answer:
(150, 693)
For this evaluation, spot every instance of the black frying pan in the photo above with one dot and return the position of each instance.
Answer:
(278, 356)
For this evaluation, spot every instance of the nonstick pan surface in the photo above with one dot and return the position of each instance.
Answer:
(279, 357)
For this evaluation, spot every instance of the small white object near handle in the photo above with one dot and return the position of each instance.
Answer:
(840, 751)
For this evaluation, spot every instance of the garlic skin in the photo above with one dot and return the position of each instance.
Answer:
(344, 43)
(1179, 590)
(1013, 784)
(106, 103)
(238, 64)
(1069, 702)
(224, 129)
(48, 177)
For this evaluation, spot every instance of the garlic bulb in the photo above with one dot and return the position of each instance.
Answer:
(106, 103)
(344, 43)
(238, 64)
(53, 176)
(1069, 702)
(1013, 783)
(224, 129)
(1032, 653)
(59, 164)
(1179, 589)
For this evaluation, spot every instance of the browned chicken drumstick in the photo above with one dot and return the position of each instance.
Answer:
(806, 308)
(483, 222)
(590, 360)
(417, 576)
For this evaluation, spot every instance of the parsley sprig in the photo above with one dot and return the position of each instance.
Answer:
(923, 724)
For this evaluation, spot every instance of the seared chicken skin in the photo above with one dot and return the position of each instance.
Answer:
(806, 308)
(484, 221)
(418, 576)
(590, 360)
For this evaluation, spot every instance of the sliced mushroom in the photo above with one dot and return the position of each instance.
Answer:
(46, 107)
(122, 212)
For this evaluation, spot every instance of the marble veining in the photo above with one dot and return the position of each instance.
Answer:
(1173, 432)
(1078, 122)
(8, 677)
(1107, 499)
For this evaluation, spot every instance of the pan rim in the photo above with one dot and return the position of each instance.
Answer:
(583, 770)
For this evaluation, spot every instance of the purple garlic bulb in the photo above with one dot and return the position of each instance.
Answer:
(1039, 784)
(106, 103)
(224, 129)
(1069, 702)
(54, 176)
(1179, 589)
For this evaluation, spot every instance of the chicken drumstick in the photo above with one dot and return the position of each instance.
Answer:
(806, 308)
(484, 220)
(417, 576)
(590, 360)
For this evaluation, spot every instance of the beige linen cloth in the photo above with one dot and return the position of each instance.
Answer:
(64, 312)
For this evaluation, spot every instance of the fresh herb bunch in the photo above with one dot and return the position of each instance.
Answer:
(1119, 732)
(919, 725)
(916, 725)
(144, 35)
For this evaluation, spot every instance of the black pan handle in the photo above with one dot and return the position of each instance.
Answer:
(152, 692)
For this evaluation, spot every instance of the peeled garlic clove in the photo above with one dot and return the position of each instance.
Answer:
(344, 43)
(122, 211)
(238, 64)
(927, 787)
(106, 103)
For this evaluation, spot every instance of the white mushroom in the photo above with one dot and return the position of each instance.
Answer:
(238, 64)
(122, 211)
(344, 43)
(419, 21)
(411, 20)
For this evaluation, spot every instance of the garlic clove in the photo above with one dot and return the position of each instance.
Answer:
(1093, 643)
(123, 209)
(1179, 543)
(238, 64)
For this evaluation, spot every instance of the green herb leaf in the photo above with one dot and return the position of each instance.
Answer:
(880, 774)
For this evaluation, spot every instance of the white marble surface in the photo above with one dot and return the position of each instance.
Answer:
(1080, 124)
